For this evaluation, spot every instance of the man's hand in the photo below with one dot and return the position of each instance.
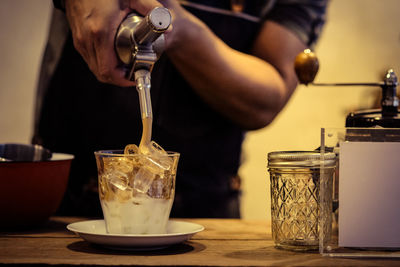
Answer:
(94, 24)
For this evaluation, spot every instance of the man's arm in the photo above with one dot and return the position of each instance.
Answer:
(248, 89)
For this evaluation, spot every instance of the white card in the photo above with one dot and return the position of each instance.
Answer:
(369, 194)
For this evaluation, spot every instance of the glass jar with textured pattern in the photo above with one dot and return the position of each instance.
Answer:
(297, 209)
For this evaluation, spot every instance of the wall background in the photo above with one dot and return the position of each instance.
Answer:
(360, 41)
(23, 32)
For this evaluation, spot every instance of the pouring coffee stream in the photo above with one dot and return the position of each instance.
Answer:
(139, 42)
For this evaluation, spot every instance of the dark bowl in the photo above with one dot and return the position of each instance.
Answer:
(30, 192)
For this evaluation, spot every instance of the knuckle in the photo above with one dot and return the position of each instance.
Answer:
(104, 75)
(96, 30)
(78, 42)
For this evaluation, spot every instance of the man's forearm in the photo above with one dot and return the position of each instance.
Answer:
(247, 89)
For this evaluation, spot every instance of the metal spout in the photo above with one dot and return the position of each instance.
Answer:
(143, 85)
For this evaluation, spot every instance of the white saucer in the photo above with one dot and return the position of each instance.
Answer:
(94, 231)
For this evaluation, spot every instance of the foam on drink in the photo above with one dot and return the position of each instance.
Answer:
(148, 216)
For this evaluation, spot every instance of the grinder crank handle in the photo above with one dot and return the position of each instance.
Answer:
(306, 66)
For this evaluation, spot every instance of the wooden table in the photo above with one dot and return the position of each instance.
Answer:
(224, 242)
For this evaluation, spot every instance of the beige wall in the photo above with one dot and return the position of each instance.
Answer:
(23, 31)
(360, 41)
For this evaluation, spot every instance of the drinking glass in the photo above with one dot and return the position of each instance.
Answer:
(136, 191)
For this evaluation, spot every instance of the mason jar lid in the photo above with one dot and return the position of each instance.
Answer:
(290, 159)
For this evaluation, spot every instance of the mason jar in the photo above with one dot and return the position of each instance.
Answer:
(298, 211)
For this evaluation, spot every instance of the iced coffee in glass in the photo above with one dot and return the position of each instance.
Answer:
(136, 189)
